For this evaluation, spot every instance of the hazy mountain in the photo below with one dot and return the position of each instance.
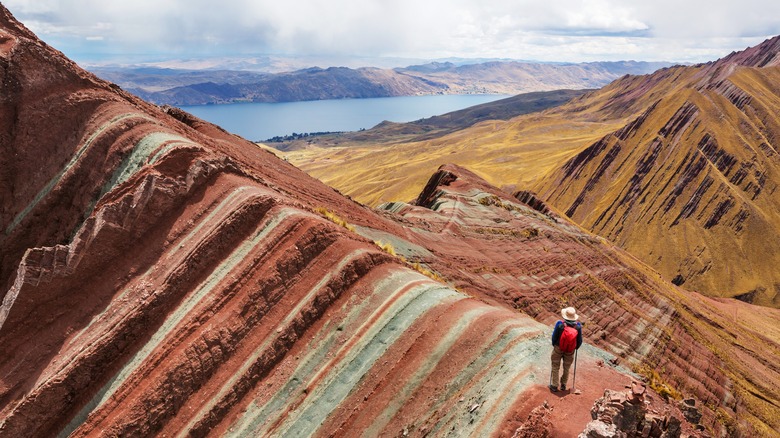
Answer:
(198, 87)
(514, 77)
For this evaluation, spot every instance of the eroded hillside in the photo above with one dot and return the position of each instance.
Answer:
(689, 185)
(161, 276)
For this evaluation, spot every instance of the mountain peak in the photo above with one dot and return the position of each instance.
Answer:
(9, 25)
(766, 54)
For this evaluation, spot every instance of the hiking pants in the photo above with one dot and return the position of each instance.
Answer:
(556, 357)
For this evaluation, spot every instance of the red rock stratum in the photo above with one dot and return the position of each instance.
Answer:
(163, 277)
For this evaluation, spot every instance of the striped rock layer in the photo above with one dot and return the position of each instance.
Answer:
(168, 278)
(163, 277)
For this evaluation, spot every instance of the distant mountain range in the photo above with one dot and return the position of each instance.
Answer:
(202, 87)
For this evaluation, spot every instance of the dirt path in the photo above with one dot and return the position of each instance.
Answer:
(569, 413)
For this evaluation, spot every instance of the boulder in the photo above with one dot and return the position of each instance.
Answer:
(599, 429)
(624, 414)
(690, 411)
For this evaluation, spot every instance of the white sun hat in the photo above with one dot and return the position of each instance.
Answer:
(570, 314)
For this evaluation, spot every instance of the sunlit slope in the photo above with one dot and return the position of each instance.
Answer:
(510, 154)
(690, 186)
(679, 167)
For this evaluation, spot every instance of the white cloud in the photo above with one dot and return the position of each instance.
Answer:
(557, 30)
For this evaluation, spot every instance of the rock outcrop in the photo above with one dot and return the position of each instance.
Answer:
(162, 276)
(621, 414)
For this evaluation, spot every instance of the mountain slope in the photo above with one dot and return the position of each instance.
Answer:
(690, 184)
(679, 167)
(162, 276)
(513, 154)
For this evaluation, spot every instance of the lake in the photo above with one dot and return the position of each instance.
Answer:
(261, 121)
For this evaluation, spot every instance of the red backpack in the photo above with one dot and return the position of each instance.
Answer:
(568, 341)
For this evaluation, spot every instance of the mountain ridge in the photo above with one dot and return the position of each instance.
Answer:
(183, 88)
(722, 171)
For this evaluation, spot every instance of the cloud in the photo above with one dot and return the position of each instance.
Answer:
(559, 30)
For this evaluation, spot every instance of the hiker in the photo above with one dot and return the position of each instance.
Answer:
(566, 339)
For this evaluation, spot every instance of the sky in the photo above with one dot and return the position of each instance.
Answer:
(686, 31)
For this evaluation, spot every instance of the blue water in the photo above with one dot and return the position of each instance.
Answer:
(261, 121)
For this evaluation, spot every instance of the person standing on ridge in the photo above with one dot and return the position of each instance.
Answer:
(566, 339)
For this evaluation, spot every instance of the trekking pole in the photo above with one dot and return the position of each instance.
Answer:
(574, 379)
(551, 373)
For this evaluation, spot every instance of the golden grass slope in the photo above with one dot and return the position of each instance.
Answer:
(690, 186)
(519, 152)
(510, 154)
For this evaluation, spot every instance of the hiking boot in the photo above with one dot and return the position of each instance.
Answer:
(552, 388)
(563, 387)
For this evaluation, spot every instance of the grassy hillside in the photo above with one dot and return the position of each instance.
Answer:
(689, 186)
(511, 154)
